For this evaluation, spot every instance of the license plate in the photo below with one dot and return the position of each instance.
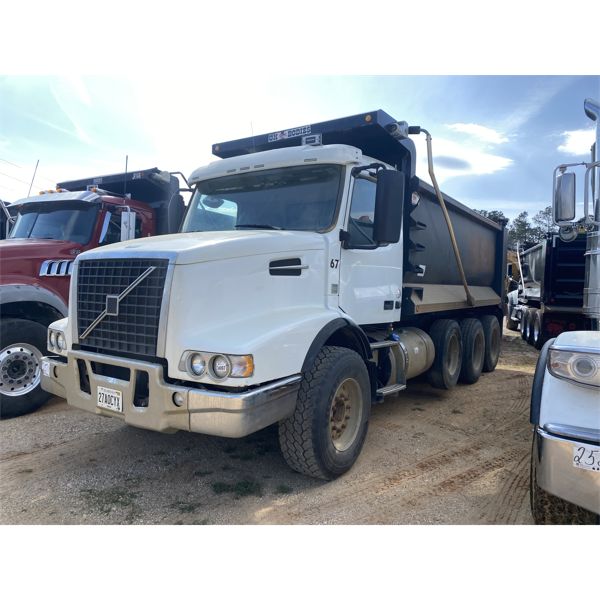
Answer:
(110, 399)
(586, 457)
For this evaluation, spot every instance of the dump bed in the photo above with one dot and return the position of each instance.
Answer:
(432, 282)
(556, 272)
(159, 189)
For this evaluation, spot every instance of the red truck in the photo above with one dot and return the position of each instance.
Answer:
(36, 259)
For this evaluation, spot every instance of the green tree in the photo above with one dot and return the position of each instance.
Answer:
(521, 232)
(543, 224)
(493, 215)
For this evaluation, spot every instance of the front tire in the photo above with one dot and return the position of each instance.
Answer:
(22, 345)
(326, 432)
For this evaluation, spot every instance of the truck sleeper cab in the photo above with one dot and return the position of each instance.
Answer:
(309, 281)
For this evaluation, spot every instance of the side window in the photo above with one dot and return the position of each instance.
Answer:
(111, 229)
(138, 225)
(362, 213)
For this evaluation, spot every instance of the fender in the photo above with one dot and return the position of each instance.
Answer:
(538, 383)
(328, 331)
(30, 293)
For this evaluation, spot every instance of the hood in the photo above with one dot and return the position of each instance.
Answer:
(205, 246)
(30, 249)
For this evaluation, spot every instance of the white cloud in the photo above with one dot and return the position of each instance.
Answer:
(577, 141)
(479, 161)
(480, 132)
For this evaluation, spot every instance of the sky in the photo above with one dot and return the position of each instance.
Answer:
(496, 139)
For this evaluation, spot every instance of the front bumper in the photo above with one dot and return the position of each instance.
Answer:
(203, 411)
(557, 475)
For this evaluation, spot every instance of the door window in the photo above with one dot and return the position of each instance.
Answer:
(362, 214)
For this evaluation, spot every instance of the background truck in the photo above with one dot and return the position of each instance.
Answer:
(549, 298)
(315, 275)
(49, 232)
(565, 456)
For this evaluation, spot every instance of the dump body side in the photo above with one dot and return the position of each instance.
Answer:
(432, 281)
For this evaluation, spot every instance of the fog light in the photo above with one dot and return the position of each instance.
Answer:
(178, 399)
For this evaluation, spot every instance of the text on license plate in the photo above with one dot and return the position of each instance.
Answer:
(110, 399)
(586, 457)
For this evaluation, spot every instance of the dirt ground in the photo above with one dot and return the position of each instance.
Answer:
(431, 457)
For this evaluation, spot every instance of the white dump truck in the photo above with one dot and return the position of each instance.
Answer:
(314, 275)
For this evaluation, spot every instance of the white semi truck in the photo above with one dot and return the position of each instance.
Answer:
(314, 275)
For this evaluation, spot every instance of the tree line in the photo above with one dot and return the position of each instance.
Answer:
(522, 230)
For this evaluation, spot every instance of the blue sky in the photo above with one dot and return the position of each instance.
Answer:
(496, 139)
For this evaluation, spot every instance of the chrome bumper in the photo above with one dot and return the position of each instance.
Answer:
(557, 475)
(203, 411)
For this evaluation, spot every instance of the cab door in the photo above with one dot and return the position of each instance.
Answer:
(370, 275)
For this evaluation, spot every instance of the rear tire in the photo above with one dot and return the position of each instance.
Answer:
(523, 324)
(547, 509)
(510, 324)
(537, 336)
(447, 341)
(326, 432)
(493, 342)
(22, 345)
(473, 341)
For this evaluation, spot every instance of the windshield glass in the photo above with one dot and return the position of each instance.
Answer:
(69, 223)
(303, 198)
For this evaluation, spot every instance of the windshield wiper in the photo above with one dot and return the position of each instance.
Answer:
(252, 226)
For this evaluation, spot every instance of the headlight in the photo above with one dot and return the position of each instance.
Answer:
(580, 367)
(61, 341)
(217, 366)
(220, 366)
(197, 364)
(51, 340)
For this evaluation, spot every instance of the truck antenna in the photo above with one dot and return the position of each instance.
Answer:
(34, 172)
(125, 178)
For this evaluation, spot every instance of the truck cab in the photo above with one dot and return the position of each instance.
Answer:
(48, 232)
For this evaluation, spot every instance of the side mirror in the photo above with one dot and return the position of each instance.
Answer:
(127, 225)
(389, 197)
(564, 198)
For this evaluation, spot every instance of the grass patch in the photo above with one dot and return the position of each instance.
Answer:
(106, 500)
(245, 487)
(284, 489)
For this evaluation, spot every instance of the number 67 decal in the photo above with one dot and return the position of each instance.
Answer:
(334, 263)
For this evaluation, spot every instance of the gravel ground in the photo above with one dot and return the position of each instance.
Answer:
(457, 457)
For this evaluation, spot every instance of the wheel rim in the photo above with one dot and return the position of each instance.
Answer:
(345, 414)
(19, 369)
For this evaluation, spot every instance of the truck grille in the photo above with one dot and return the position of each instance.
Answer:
(134, 327)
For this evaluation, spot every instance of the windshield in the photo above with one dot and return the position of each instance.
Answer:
(303, 198)
(74, 224)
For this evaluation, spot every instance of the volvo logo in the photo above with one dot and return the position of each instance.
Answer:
(112, 303)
